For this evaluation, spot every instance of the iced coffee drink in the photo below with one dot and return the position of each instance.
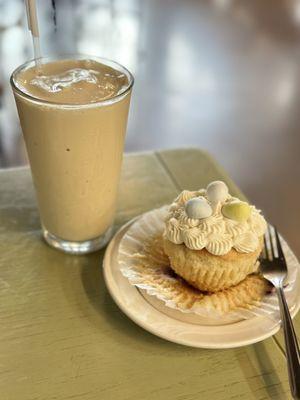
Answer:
(73, 114)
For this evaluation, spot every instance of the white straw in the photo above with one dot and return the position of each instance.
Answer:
(34, 28)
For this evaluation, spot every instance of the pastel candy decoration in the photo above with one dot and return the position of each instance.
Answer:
(198, 208)
(217, 192)
(237, 210)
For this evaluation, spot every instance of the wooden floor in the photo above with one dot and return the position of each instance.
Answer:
(222, 75)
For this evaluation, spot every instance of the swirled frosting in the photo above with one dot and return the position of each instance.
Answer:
(216, 233)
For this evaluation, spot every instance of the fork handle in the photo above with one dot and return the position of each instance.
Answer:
(291, 344)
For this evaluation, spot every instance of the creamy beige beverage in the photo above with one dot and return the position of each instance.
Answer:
(73, 115)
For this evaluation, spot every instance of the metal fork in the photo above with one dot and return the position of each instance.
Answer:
(273, 267)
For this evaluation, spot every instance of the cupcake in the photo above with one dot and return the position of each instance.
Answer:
(213, 240)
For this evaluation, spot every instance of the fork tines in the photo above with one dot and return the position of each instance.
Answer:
(276, 251)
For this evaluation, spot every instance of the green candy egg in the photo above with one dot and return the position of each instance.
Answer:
(236, 210)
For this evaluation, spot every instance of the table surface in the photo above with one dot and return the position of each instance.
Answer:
(62, 336)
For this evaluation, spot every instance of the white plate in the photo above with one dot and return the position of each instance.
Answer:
(159, 320)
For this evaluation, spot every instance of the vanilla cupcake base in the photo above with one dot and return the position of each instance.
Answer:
(208, 272)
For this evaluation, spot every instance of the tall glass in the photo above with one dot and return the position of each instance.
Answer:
(75, 153)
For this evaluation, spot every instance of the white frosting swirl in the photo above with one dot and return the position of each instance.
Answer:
(236, 228)
(184, 196)
(216, 233)
(173, 231)
(246, 243)
(219, 245)
(194, 238)
(258, 224)
(189, 222)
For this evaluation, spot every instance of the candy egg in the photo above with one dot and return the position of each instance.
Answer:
(198, 208)
(217, 191)
(236, 210)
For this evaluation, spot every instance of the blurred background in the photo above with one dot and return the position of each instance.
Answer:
(217, 74)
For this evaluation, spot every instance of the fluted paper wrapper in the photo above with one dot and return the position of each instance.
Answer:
(143, 262)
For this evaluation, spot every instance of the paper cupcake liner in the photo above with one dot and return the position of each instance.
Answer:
(143, 262)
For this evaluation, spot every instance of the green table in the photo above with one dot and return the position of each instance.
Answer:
(61, 335)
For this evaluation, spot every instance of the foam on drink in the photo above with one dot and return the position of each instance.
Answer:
(72, 82)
